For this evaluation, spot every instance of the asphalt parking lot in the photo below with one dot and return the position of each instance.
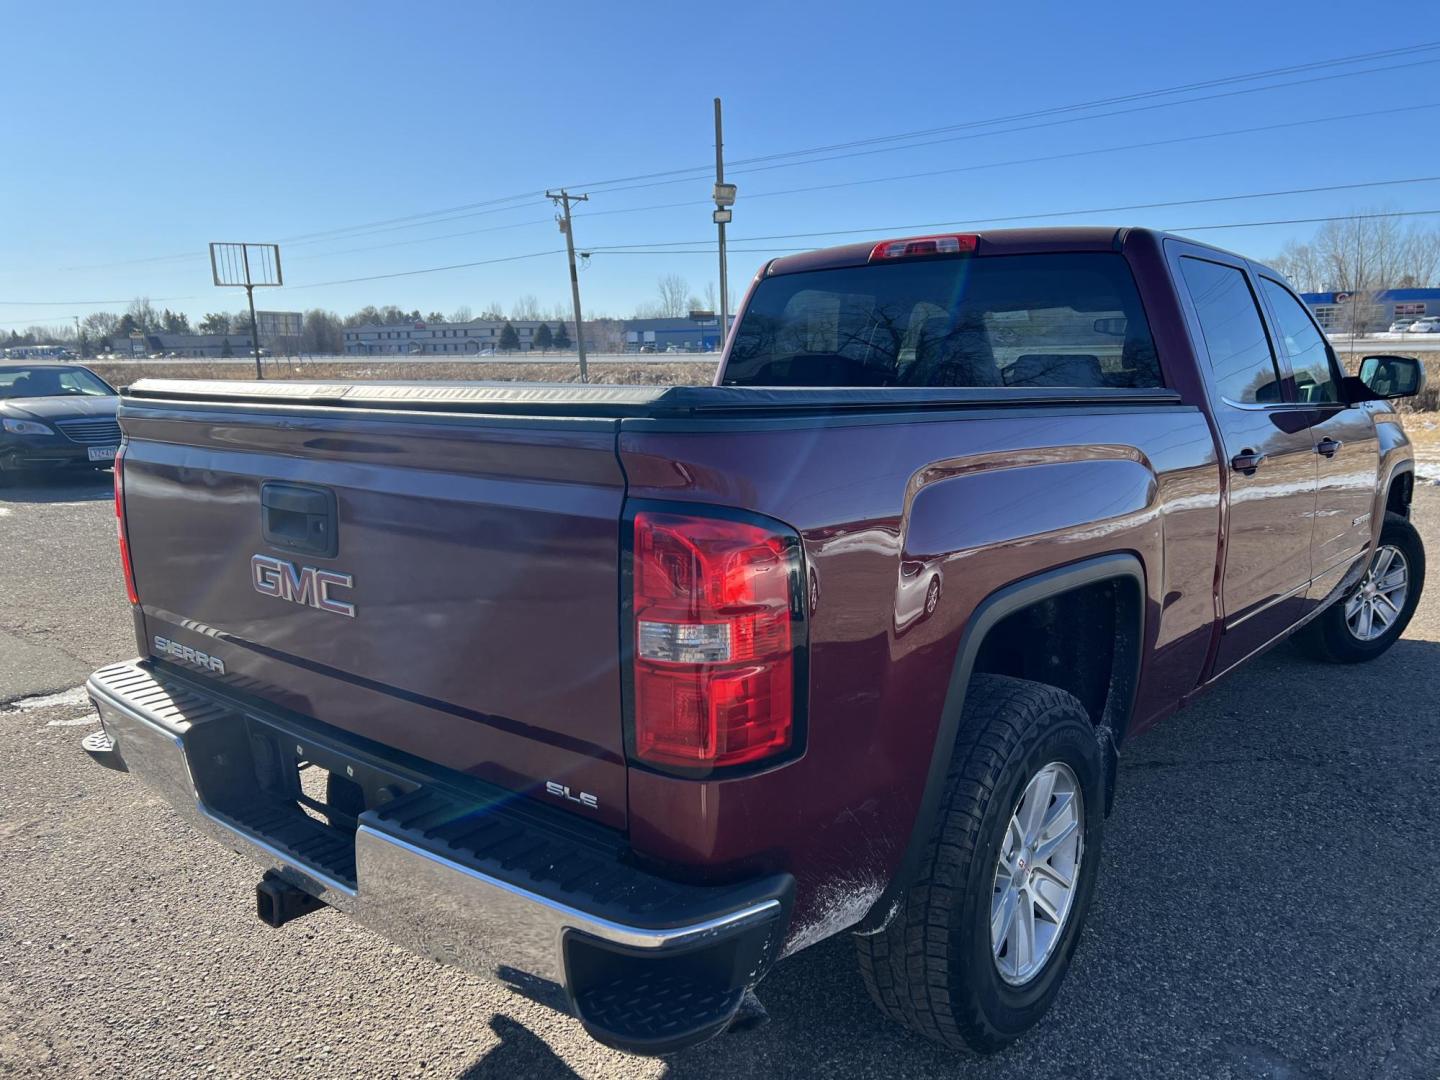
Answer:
(1267, 906)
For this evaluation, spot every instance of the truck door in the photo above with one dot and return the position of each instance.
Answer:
(1346, 447)
(1268, 451)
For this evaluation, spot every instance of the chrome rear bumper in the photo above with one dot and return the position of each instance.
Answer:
(553, 938)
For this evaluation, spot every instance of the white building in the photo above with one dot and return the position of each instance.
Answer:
(477, 338)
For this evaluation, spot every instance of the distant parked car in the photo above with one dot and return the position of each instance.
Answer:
(54, 417)
(1401, 326)
(647, 348)
(1430, 325)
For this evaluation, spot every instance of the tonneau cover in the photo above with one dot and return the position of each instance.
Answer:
(593, 400)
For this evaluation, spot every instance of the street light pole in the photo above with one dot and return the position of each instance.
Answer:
(724, 200)
(563, 198)
(720, 225)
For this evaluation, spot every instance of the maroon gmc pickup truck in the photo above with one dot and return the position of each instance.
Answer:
(622, 694)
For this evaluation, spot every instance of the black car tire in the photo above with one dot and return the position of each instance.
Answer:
(1329, 637)
(931, 968)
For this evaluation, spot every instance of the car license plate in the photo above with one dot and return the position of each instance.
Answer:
(102, 453)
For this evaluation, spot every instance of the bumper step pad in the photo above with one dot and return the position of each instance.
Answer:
(463, 872)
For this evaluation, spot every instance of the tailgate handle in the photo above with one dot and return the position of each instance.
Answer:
(298, 517)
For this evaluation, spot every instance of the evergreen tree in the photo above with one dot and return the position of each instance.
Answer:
(225, 350)
(542, 339)
(509, 339)
(561, 338)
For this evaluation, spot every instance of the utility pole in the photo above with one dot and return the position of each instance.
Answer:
(724, 200)
(563, 199)
(254, 327)
(79, 342)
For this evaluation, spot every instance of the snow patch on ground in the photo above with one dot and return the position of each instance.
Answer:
(86, 719)
(76, 696)
(1427, 468)
(837, 906)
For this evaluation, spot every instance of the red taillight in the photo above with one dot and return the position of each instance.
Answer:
(916, 246)
(715, 640)
(120, 526)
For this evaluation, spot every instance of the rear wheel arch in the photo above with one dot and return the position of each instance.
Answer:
(1121, 572)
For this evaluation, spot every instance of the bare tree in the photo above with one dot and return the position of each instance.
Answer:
(462, 314)
(100, 324)
(1361, 253)
(526, 309)
(710, 304)
(1420, 259)
(1360, 256)
(1302, 264)
(674, 293)
(143, 314)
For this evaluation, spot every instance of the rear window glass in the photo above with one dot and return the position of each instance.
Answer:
(1008, 320)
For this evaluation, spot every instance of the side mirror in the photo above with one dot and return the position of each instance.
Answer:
(1392, 376)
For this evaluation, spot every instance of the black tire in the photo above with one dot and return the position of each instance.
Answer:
(932, 969)
(1329, 637)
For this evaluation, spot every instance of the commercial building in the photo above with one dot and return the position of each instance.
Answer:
(476, 338)
(1371, 311)
(697, 332)
(213, 346)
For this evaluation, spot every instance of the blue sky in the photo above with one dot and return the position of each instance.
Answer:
(143, 132)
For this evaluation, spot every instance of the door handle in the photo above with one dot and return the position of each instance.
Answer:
(1247, 461)
(1328, 446)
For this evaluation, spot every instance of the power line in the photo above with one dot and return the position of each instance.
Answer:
(974, 167)
(710, 250)
(876, 229)
(497, 202)
(428, 270)
(1354, 58)
(707, 250)
(94, 303)
(1305, 221)
(1121, 99)
(1161, 228)
(497, 205)
(421, 240)
(1030, 127)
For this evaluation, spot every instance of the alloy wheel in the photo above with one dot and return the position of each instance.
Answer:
(1037, 874)
(1380, 597)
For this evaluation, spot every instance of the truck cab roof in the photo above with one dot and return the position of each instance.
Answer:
(1047, 239)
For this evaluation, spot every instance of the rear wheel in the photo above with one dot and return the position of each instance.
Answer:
(1375, 613)
(984, 935)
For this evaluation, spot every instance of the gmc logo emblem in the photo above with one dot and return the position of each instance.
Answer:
(301, 584)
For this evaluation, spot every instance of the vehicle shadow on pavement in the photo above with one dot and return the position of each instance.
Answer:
(1240, 928)
(520, 1054)
(58, 487)
(1243, 925)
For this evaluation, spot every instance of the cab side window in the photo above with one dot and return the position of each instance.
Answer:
(1241, 361)
(1308, 351)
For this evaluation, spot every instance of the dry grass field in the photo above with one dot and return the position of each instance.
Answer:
(630, 372)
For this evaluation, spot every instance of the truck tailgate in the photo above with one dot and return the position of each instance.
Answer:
(483, 562)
